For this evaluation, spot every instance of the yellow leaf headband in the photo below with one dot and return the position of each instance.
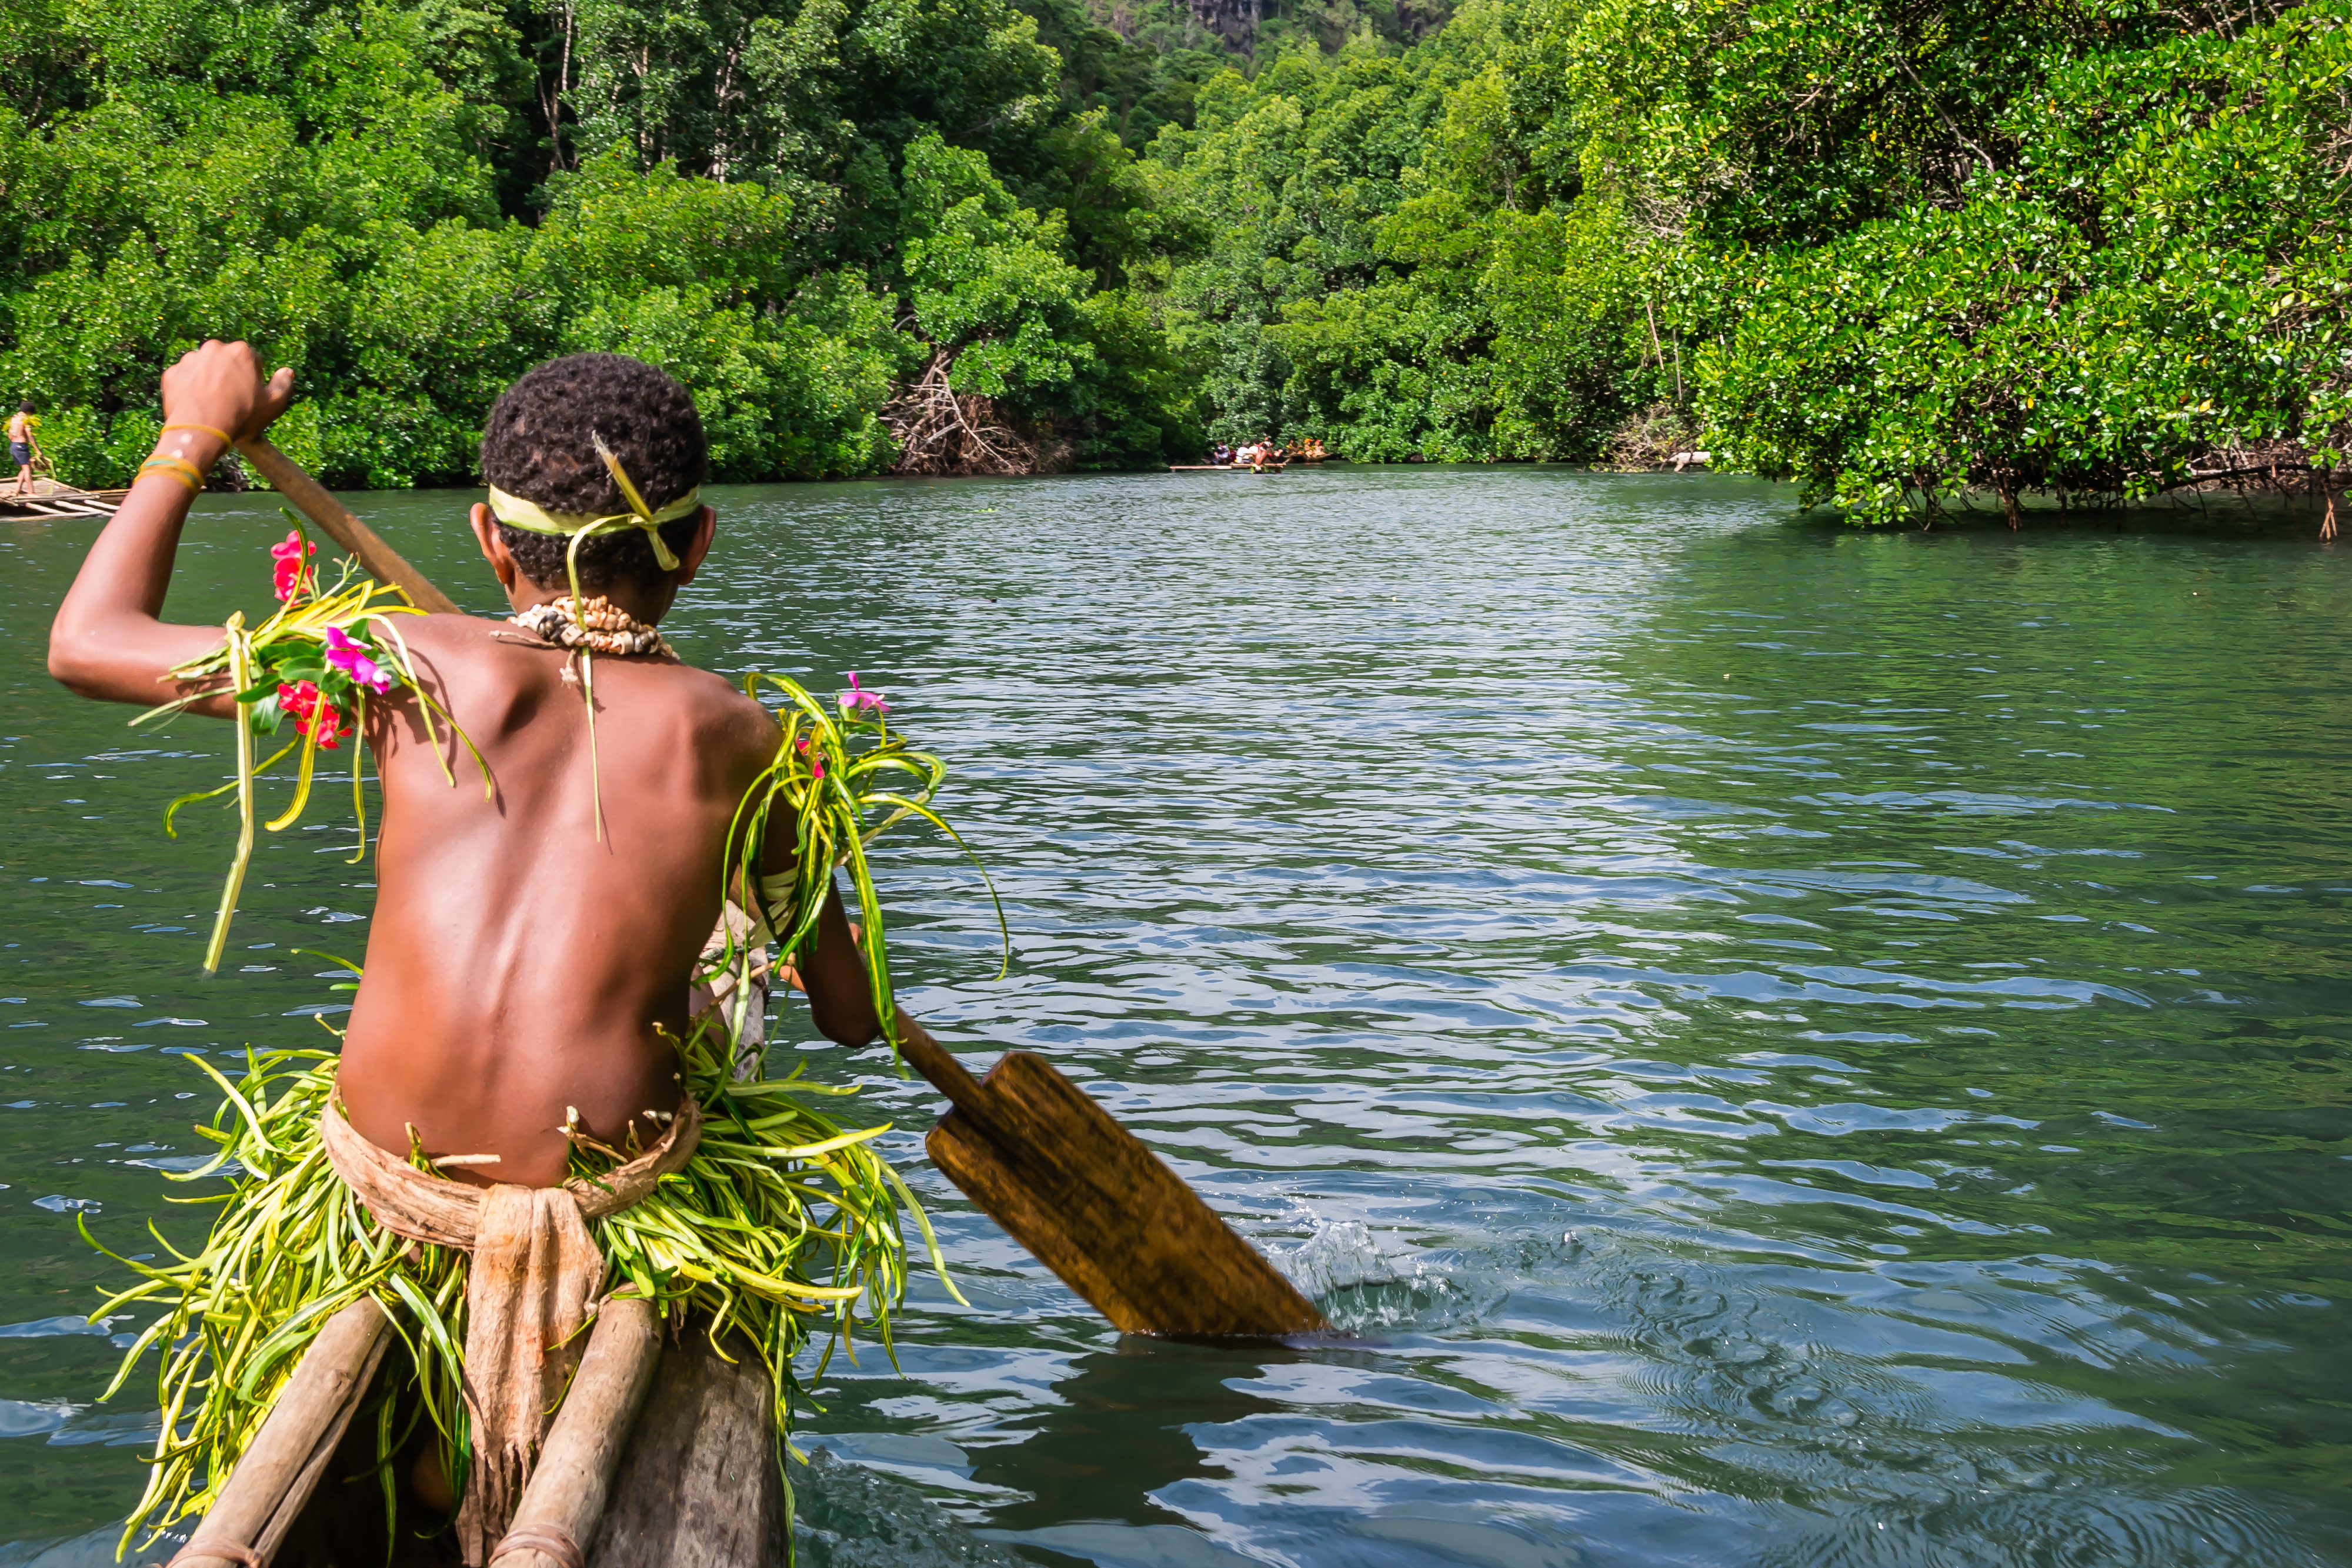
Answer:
(532, 518)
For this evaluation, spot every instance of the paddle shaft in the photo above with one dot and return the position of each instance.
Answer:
(948, 1076)
(380, 560)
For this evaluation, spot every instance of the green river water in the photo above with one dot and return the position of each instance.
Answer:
(1782, 1045)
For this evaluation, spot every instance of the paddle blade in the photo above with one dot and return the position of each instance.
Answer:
(1092, 1203)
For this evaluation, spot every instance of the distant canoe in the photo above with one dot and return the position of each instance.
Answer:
(1224, 468)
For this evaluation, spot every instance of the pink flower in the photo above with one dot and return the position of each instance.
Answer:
(352, 659)
(293, 563)
(310, 706)
(856, 699)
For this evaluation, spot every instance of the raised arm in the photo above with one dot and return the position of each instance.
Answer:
(107, 641)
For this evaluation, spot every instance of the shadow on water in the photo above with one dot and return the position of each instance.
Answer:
(1123, 1429)
(2206, 514)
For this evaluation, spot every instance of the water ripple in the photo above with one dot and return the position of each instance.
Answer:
(1775, 1046)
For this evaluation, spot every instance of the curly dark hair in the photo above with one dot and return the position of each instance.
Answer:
(541, 445)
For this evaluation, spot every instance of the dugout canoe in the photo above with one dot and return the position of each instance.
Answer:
(1225, 469)
(663, 1455)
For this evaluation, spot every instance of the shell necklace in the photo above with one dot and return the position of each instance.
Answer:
(596, 626)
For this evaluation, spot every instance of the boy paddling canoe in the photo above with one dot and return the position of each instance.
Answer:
(523, 1016)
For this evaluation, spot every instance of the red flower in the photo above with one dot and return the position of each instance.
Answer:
(310, 706)
(293, 565)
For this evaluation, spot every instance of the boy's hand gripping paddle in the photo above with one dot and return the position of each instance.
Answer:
(1084, 1194)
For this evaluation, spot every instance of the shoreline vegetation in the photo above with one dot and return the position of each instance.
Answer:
(2080, 254)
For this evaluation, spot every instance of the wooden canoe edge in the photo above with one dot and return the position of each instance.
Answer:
(281, 1467)
(698, 1484)
(568, 1485)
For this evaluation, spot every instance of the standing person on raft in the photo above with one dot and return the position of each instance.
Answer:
(523, 1016)
(23, 448)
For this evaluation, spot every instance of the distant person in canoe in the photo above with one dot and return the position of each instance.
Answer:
(23, 448)
(521, 1052)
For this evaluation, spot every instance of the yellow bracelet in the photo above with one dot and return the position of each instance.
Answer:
(227, 439)
(180, 468)
(172, 474)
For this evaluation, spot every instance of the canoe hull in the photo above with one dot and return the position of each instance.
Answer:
(697, 1484)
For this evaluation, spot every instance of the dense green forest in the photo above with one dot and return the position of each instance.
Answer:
(1888, 249)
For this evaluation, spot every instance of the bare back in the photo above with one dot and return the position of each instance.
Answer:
(517, 965)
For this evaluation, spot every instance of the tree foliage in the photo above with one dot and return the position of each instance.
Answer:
(1889, 249)
(2147, 285)
(1886, 248)
(411, 205)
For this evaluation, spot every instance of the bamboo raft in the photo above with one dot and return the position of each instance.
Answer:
(662, 1454)
(51, 498)
(1226, 468)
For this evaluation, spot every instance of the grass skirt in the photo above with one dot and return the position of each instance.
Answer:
(781, 1227)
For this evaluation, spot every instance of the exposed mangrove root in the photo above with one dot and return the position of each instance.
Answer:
(1661, 435)
(2283, 470)
(940, 431)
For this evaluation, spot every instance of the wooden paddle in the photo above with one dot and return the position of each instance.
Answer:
(1094, 1204)
(358, 539)
(1082, 1194)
